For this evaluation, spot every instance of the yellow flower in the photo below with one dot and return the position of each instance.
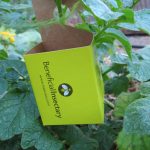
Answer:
(12, 39)
(8, 35)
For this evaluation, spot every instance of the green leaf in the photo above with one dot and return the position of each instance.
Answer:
(120, 69)
(18, 65)
(106, 136)
(3, 86)
(12, 74)
(129, 26)
(16, 15)
(145, 89)
(5, 6)
(127, 141)
(142, 21)
(26, 41)
(13, 71)
(117, 85)
(129, 3)
(100, 10)
(121, 38)
(137, 118)
(111, 3)
(128, 16)
(119, 2)
(3, 55)
(10, 7)
(142, 18)
(123, 101)
(21, 7)
(75, 138)
(139, 68)
(136, 130)
(21, 86)
(2, 71)
(120, 59)
(144, 53)
(17, 111)
(12, 144)
(41, 138)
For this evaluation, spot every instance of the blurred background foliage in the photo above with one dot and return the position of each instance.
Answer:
(19, 16)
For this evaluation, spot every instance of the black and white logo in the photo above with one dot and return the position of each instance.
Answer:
(65, 89)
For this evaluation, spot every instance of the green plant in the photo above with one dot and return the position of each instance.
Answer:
(127, 121)
(17, 14)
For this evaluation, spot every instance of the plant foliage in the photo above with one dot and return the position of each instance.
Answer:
(127, 119)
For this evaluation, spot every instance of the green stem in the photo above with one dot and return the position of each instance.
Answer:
(110, 104)
(59, 7)
(19, 74)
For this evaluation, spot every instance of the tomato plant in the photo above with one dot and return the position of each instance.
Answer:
(127, 119)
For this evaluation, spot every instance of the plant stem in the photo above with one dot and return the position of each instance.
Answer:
(23, 77)
(110, 104)
(59, 3)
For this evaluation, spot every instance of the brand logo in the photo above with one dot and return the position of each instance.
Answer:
(65, 89)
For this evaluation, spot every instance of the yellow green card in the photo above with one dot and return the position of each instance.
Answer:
(67, 86)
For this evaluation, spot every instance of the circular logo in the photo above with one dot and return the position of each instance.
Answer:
(65, 89)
